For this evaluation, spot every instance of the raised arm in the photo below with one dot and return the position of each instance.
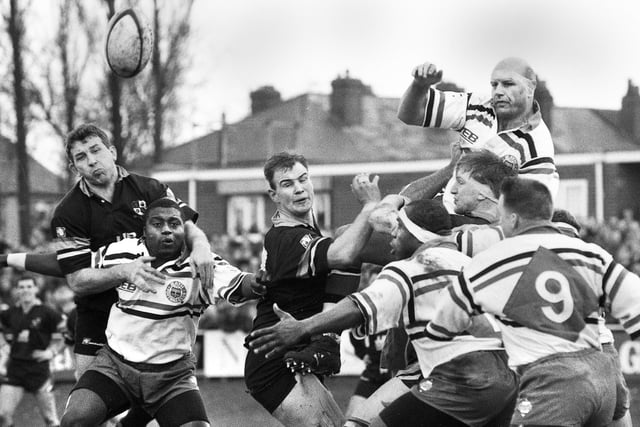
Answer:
(429, 186)
(346, 247)
(414, 101)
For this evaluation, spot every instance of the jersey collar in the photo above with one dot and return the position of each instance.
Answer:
(283, 219)
(86, 190)
(542, 228)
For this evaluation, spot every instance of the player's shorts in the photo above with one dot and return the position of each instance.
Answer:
(474, 388)
(410, 376)
(623, 401)
(589, 374)
(148, 385)
(28, 374)
(268, 380)
(409, 411)
(89, 334)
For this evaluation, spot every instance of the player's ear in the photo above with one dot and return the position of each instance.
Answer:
(114, 152)
(73, 168)
(272, 194)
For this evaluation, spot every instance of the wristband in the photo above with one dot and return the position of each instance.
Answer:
(17, 261)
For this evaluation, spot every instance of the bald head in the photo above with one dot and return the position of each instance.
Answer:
(518, 66)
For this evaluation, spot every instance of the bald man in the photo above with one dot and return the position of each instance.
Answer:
(508, 123)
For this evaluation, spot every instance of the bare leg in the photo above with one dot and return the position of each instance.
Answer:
(10, 397)
(47, 404)
(84, 408)
(375, 403)
(310, 404)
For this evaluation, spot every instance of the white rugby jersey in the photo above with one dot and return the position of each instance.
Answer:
(545, 288)
(475, 238)
(529, 146)
(161, 327)
(406, 293)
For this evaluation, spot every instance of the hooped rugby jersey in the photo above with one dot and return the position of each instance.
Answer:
(406, 293)
(530, 146)
(161, 327)
(546, 289)
(84, 222)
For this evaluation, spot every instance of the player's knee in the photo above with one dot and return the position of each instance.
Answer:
(6, 419)
(75, 418)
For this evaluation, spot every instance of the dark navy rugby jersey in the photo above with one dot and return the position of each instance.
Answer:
(83, 222)
(296, 261)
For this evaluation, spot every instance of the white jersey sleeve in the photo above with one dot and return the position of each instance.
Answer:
(445, 110)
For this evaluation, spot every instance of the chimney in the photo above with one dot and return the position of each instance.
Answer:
(346, 100)
(223, 141)
(264, 98)
(629, 118)
(545, 101)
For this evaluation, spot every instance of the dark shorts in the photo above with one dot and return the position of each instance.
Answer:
(473, 388)
(544, 399)
(410, 376)
(268, 380)
(28, 374)
(149, 386)
(89, 334)
(409, 411)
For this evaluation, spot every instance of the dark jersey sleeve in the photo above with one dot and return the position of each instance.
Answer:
(296, 253)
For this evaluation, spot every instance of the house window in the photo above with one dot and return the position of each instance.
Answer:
(322, 209)
(245, 214)
(573, 195)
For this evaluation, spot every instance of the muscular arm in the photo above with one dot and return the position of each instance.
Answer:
(430, 185)
(413, 104)
(44, 263)
(427, 187)
(345, 248)
(275, 339)
(414, 100)
(87, 281)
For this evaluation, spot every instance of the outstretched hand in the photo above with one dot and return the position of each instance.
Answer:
(274, 340)
(366, 190)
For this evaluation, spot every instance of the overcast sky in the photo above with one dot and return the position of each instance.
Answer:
(585, 50)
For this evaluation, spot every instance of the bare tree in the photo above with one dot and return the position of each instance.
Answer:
(168, 64)
(115, 94)
(16, 30)
(64, 66)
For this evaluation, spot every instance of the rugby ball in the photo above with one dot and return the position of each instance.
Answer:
(129, 43)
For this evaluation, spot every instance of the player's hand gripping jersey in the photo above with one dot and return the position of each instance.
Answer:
(407, 293)
(167, 319)
(545, 288)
